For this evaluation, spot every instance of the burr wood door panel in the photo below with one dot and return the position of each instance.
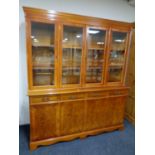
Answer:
(72, 117)
(98, 114)
(118, 108)
(104, 113)
(44, 121)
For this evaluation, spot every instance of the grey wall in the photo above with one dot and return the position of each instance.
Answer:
(110, 9)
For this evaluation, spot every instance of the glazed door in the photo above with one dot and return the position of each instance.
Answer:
(117, 56)
(96, 41)
(43, 54)
(71, 52)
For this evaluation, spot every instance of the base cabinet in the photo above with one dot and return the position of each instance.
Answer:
(75, 116)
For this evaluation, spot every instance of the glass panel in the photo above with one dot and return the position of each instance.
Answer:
(118, 48)
(115, 74)
(95, 56)
(72, 52)
(42, 36)
(117, 58)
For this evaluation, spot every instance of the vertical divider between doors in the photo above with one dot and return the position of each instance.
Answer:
(56, 50)
(108, 37)
(59, 73)
(59, 36)
(29, 53)
(104, 58)
(83, 62)
(127, 55)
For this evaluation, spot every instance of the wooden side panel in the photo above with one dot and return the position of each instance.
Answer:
(104, 112)
(43, 121)
(130, 109)
(72, 117)
(130, 105)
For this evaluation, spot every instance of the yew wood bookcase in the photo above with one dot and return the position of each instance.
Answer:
(76, 75)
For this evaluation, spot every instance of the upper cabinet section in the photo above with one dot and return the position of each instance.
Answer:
(95, 55)
(43, 65)
(67, 51)
(71, 54)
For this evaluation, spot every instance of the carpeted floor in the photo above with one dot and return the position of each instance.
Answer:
(112, 143)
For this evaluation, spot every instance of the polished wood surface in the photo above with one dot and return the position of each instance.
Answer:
(72, 117)
(46, 15)
(43, 121)
(81, 135)
(69, 61)
(59, 115)
(130, 105)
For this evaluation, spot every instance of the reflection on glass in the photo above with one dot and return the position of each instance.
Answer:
(95, 55)
(115, 74)
(118, 48)
(117, 56)
(71, 57)
(42, 53)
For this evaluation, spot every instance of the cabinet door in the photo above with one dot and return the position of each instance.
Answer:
(72, 47)
(43, 54)
(95, 55)
(117, 56)
(118, 104)
(72, 117)
(44, 119)
(104, 113)
(99, 114)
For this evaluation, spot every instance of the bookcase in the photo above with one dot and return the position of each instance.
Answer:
(76, 75)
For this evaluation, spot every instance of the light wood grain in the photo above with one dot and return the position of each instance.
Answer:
(130, 105)
(63, 112)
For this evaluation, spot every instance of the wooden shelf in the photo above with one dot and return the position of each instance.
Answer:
(96, 48)
(94, 67)
(43, 68)
(65, 47)
(116, 65)
(43, 73)
(46, 46)
(70, 68)
(92, 61)
(71, 61)
(93, 81)
(92, 76)
(92, 48)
